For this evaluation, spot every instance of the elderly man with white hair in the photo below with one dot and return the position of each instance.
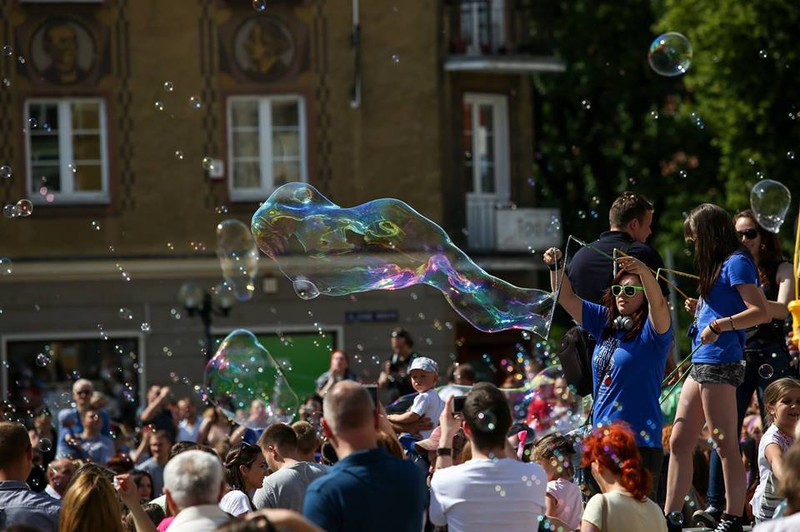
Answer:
(194, 485)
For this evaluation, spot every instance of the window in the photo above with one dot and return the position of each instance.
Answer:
(485, 140)
(266, 144)
(482, 26)
(66, 150)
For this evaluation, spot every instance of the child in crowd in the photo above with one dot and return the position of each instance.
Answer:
(782, 402)
(424, 373)
(563, 502)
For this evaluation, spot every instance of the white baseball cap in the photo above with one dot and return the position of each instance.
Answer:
(424, 364)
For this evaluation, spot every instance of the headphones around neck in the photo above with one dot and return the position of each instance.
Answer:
(623, 323)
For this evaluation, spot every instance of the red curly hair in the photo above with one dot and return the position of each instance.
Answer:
(614, 448)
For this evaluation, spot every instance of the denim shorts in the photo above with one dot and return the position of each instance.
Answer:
(729, 373)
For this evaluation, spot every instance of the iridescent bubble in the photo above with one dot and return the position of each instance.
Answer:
(238, 257)
(24, 207)
(168, 86)
(305, 289)
(769, 201)
(670, 54)
(125, 313)
(45, 445)
(386, 245)
(6, 266)
(10, 210)
(551, 405)
(247, 384)
(42, 360)
(259, 5)
(766, 371)
(5, 172)
(195, 102)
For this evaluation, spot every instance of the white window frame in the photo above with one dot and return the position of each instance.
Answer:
(267, 181)
(67, 194)
(502, 151)
(497, 9)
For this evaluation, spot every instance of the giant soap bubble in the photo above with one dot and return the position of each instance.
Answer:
(238, 257)
(386, 245)
(670, 54)
(246, 383)
(769, 201)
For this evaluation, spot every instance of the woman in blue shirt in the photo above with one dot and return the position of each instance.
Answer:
(633, 332)
(730, 302)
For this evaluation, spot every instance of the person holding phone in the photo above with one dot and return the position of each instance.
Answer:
(633, 329)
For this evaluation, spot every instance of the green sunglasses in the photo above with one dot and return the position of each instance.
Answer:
(629, 290)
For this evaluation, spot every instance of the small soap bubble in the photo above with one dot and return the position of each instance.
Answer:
(179, 155)
(238, 258)
(790, 155)
(654, 115)
(42, 360)
(586, 104)
(94, 225)
(24, 207)
(8, 50)
(5, 172)
(395, 58)
(763, 54)
(45, 445)
(766, 371)
(145, 327)
(125, 313)
(260, 5)
(21, 60)
(33, 123)
(208, 163)
(159, 105)
(10, 210)
(168, 86)
(670, 54)
(682, 173)
(305, 289)
(6, 266)
(770, 201)
(195, 102)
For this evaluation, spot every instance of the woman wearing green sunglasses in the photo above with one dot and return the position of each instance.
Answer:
(633, 331)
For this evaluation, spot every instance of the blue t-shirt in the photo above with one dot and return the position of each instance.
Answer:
(630, 387)
(368, 490)
(723, 301)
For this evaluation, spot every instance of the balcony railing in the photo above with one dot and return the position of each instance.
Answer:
(499, 27)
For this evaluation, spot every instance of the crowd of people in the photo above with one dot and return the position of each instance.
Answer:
(455, 454)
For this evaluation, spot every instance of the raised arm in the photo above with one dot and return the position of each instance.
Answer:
(568, 299)
(658, 310)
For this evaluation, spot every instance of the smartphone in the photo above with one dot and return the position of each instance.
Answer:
(373, 392)
(458, 403)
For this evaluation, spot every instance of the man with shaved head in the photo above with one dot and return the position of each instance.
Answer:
(363, 490)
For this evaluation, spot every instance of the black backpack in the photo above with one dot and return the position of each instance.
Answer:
(575, 356)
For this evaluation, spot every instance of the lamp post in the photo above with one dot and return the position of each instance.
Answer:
(200, 302)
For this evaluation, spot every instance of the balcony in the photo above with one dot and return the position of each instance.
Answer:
(500, 36)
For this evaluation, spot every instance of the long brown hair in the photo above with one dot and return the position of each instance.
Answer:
(770, 256)
(609, 301)
(90, 503)
(712, 232)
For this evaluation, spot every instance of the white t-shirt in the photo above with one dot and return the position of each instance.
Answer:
(623, 512)
(569, 504)
(428, 404)
(482, 495)
(766, 498)
(236, 503)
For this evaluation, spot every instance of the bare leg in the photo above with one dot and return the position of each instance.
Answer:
(719, 406)
(689, 422)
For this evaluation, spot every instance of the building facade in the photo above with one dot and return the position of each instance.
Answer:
(134, 128)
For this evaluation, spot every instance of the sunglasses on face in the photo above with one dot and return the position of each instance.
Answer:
(629, 290)
(749, 234)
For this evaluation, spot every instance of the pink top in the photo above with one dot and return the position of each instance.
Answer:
(569, 505)
(164, 524)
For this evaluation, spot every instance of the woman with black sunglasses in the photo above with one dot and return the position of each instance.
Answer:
(633, 329)
(766, 355)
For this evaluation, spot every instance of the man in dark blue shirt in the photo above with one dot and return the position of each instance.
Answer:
(368, 489)
(629, 218)
(18, 504)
